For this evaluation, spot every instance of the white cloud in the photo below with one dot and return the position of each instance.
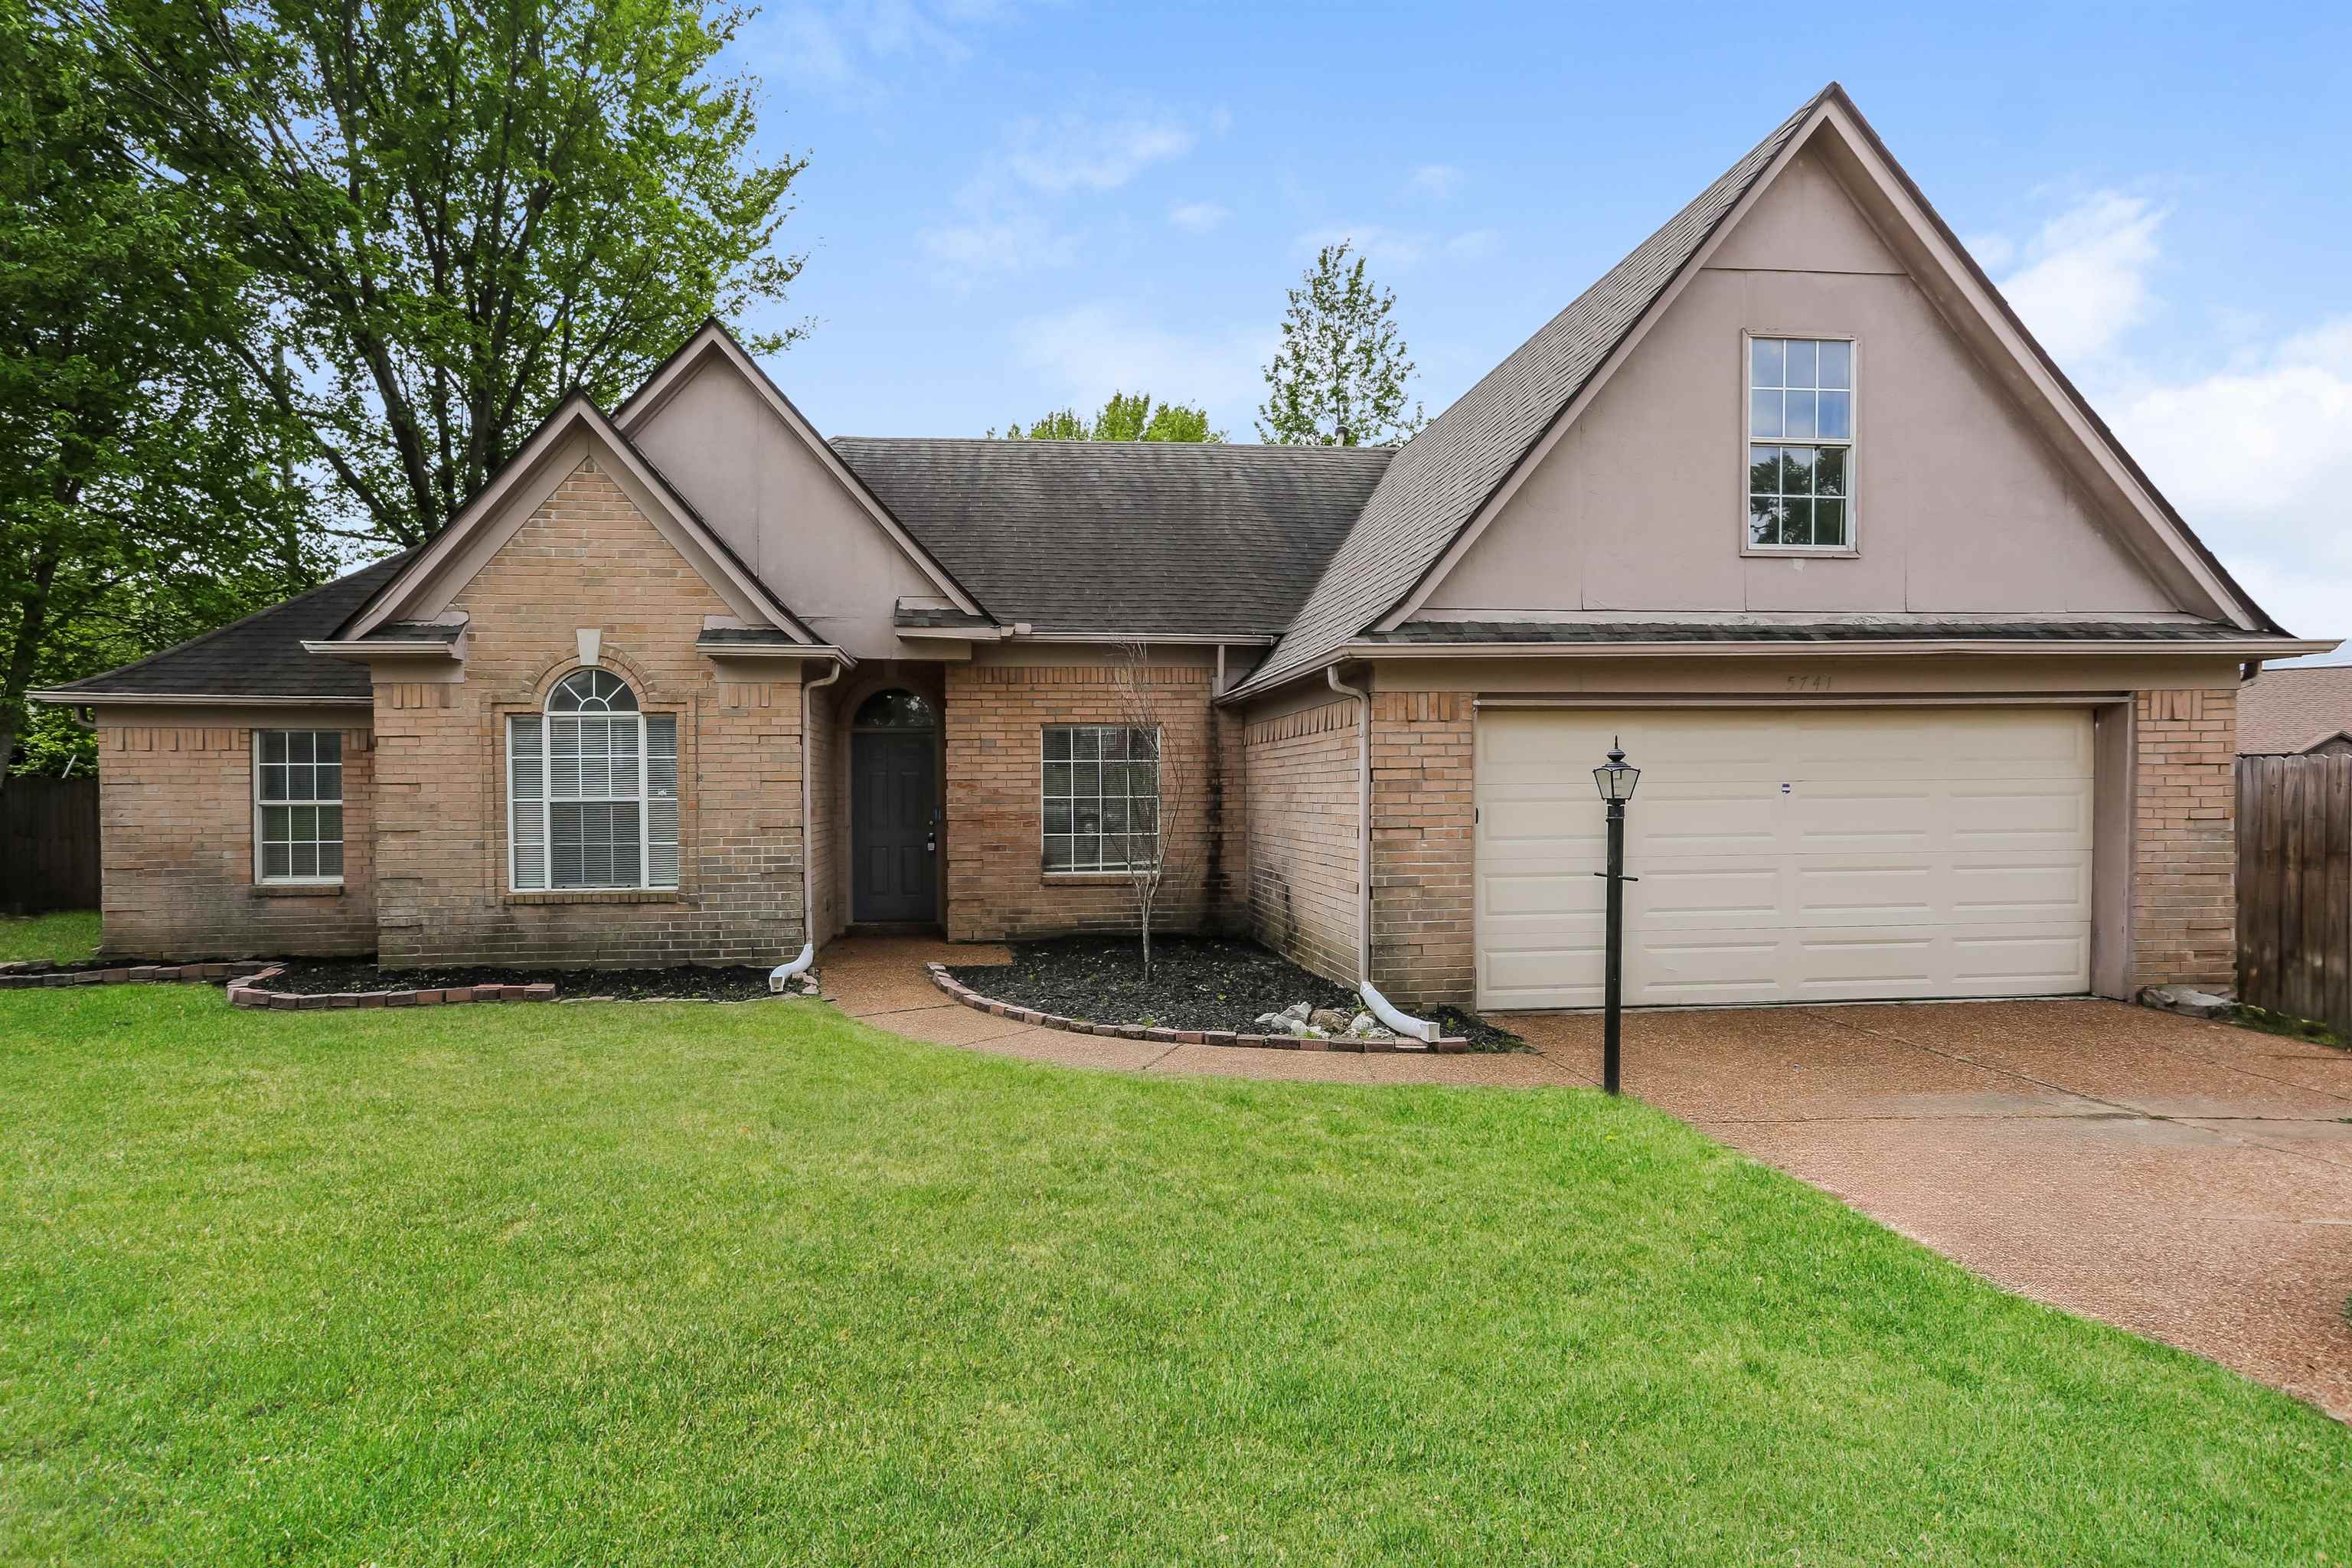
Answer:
(1074, 152)
(2084, 282)
(2258, 458)
(1088, 352)
(1401, 250)
(1198, 217)
(861, 50)
(1439, 180)
(1992, 251)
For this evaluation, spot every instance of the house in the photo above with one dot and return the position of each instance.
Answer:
(2300, 712)
(1933, 693)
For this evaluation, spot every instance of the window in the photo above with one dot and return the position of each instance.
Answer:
(1799, 444)
(1101, 796)
(592, 790)
(298, 806)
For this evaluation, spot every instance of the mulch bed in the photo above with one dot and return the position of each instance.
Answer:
(684, 983)
(1197, 983)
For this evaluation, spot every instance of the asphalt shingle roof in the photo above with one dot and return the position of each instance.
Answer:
(261, 655)
(1442, 475)
(2282, 711)
(1124, 538)
(1815, 631)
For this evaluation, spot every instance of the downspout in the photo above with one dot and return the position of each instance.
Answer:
(1363, 819)
(808, 837)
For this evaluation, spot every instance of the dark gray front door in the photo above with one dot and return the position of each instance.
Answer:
(892, 843)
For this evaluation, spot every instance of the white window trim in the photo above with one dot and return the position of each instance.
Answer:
(1125, 867)
(547, 803)
(1852, 445)
(261, 878)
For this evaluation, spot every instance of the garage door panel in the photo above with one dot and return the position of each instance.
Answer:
(1831, 854)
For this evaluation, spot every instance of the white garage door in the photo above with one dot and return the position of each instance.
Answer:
(1788, 855)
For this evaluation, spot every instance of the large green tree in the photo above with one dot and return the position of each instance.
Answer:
(145, 492)
(458, 212)
(1339, 375)
(1124, 416)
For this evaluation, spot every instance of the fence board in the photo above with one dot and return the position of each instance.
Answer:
(48, 845)
(2294, 887)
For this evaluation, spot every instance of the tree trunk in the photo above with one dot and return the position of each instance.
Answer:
(22, 658)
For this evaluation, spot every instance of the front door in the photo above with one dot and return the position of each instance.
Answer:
(893, 823)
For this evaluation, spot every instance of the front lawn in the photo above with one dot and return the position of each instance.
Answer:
(67, 937)
(679, 1283)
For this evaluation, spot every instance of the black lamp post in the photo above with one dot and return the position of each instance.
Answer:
(1616, 781)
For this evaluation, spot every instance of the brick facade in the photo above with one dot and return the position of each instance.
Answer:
(587, 557)
(2184, 836)
(997, 887)
(1299, 805)
(176, 824)
(1424, 850)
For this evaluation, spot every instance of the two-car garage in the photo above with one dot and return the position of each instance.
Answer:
(1788, 854)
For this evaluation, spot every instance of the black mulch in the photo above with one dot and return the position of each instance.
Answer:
(1197, 983)
(314, 977)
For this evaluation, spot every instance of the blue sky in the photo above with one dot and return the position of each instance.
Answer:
(1014, 206)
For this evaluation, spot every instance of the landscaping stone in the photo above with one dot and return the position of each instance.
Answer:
(2187, 1000)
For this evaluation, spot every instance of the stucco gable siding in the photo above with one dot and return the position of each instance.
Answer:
(778, 506)
(1961, 507)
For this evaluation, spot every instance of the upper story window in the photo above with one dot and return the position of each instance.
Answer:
(298, 806)
(1799, 444)
(592, 790)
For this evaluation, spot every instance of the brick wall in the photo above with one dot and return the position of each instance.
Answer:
(1299, 793)
(997, 887)
(175, 811)
(1424, 850)
(2184, 841)
(588, 558)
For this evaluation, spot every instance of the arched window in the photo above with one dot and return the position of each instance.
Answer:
(892, 710)
(592, 790)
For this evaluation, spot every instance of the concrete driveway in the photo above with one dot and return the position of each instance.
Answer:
(2188, 1181)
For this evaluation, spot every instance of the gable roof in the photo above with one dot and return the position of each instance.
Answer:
(516, 491)
(1451, 477)
(2284, 711)
(1117, 538)
(258, 656)
(713, 339)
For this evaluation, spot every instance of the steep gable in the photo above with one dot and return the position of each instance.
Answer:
(1452, 480)
(757, 472)
(1960, 507)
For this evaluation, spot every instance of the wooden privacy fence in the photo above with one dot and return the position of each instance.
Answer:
(2294, 887)
(48, 845)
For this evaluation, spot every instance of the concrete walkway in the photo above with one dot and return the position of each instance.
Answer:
(2190, 1182)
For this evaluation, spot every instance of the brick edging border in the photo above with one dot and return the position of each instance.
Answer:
(251, 992)
(13, 979)
(1449, 1044)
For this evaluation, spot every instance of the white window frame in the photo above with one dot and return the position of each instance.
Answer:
(261, 874)
(1851, 443)
(1125, 867)
(547, 801)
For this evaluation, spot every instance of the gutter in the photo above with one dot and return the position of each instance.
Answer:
(1889, 648)
(63, 698)
(1363, 819)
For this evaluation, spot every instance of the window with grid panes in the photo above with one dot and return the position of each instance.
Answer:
(1101, 797)
(1799, 444)
(592, 790)
(298, 806)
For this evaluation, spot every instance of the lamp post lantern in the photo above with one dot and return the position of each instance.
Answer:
(1615, 781)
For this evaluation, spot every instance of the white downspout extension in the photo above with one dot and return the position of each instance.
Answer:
(1363, 819)
(784, 973)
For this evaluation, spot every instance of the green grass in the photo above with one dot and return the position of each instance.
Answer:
(64, 937)
(679, 1284)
